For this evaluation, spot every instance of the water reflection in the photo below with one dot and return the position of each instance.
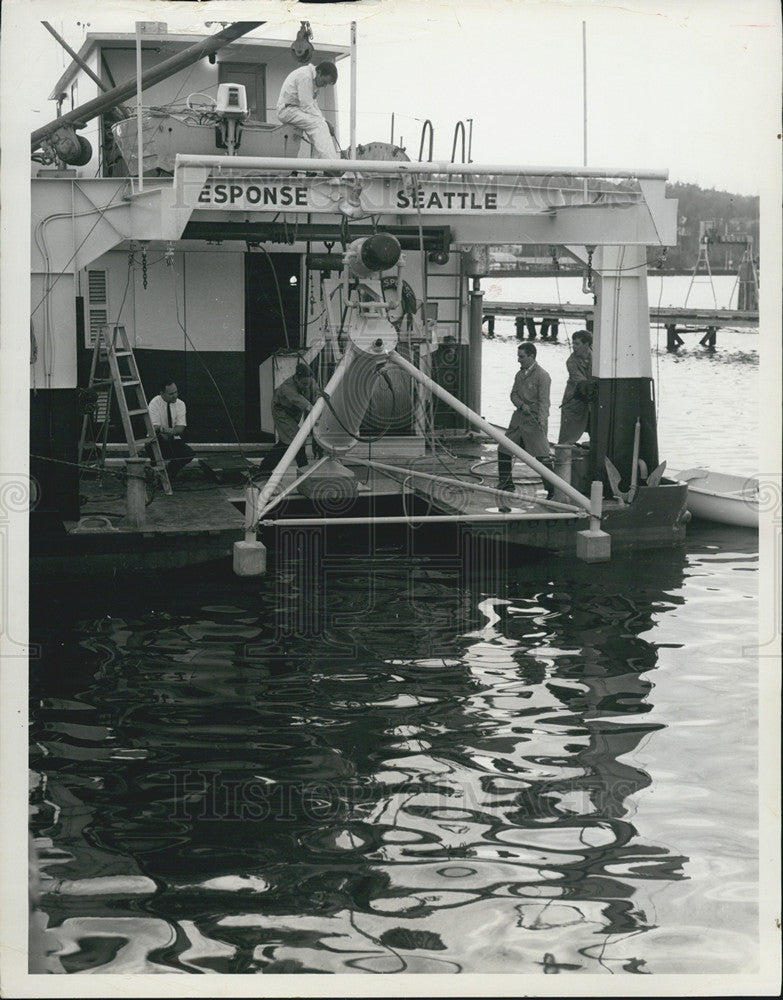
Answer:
(407, 765)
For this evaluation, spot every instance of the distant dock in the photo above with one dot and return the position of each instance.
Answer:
(534, 319)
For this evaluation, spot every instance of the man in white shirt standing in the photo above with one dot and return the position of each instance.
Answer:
(298, 106)
(169, 420)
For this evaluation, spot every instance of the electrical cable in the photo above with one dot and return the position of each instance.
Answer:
(658, 355)
(363, 440)
(204, 364)
(76, 465)
(279, 294)
(68, 215)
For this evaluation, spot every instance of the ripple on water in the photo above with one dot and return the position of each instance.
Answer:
(501, 802)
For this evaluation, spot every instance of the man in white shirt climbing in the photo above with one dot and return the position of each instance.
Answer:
(298, 106)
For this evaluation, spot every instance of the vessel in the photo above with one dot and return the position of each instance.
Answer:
(228, 269)
(722, 497)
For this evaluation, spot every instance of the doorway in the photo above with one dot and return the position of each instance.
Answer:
(268, 328)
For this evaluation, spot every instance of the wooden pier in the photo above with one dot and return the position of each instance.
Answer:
(676, 319)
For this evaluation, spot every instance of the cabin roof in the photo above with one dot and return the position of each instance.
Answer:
(242, 48)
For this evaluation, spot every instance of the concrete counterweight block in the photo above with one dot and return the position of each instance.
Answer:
(249, 558)
(593, 546)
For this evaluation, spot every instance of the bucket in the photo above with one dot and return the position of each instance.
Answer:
(580, 469)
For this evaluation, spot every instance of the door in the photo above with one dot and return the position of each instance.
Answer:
(267, 328)
(253, 79)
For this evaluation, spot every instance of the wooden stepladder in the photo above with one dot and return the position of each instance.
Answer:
(114, 372)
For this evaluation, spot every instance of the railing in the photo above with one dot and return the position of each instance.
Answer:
(427, 125)
(459, 129)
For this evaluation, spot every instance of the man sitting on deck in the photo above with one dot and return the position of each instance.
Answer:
(298, 106)
(291, 399)
(528, 427)
(168, 415)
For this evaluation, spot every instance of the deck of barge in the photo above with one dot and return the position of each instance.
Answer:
(204, 515)
(203, 502)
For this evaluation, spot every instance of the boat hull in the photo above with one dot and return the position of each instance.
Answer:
(722, 498)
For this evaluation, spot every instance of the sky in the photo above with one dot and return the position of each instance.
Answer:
(689, 86)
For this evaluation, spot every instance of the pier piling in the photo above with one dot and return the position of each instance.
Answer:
(673, 339)
(136, 491)
(710, 337)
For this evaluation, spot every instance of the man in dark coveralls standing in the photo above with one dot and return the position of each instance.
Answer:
(528, 427)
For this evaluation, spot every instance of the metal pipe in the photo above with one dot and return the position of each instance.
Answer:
(584, 100)
(315, 522)
(458, 128)
(475, 345)
(596, 501)
(635, 460)
(291, 486)
(136, 491)
(274, 163)
(353, 91)
(76, 58)
(120, 93)
(476, 487)
(139, 130)
(584, 93)
(490, 430)
(432, 137)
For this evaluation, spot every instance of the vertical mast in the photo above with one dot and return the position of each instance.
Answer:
(353, 90)
(622, 364)
(139, 143)
(584, 101)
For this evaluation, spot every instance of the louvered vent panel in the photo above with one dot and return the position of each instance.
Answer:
(96, 283)
(98, 309)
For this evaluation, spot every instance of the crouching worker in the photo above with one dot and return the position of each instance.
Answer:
(169, 420)
(528, 427)
(291, 400)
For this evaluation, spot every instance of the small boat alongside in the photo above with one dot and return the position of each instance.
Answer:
(722, 497)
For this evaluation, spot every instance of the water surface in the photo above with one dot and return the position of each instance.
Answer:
(464, 762)
(522, 770)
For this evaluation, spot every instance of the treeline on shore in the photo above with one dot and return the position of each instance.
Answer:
(722, 213)
(717, 213)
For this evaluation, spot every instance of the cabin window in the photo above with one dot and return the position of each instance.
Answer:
(97, 305)
(253, 79)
